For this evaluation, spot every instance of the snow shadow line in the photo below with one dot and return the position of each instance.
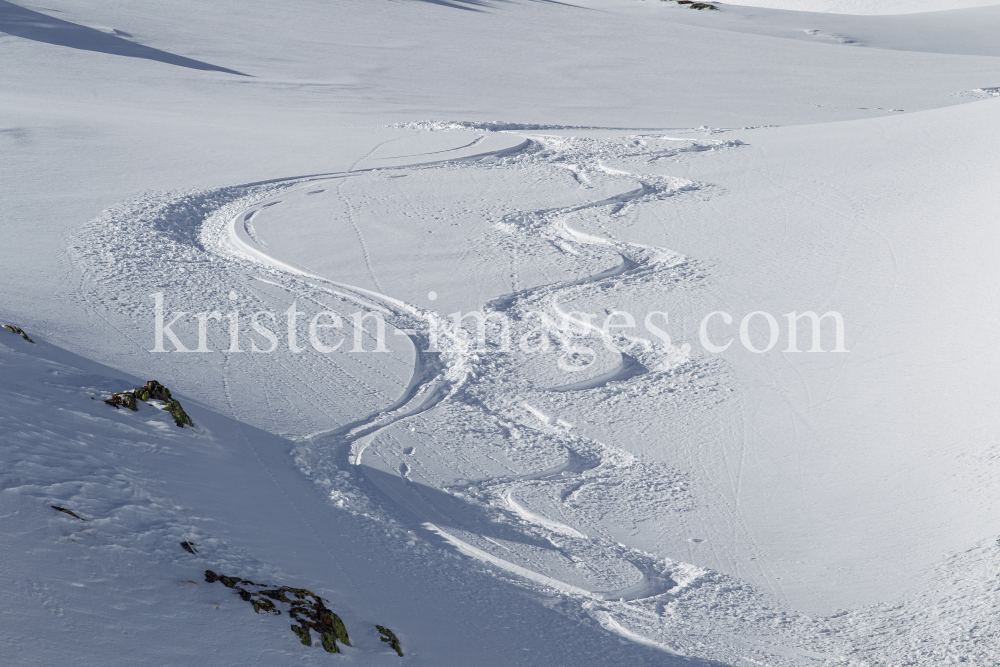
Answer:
(37, 27)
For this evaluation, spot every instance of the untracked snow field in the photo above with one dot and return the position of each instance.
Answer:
(613, 332)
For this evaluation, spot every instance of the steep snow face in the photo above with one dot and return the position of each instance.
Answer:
(867, 7)
(111, 584)
(114, 586)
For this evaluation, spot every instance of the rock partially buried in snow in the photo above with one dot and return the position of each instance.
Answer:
(66, 511)
(697, 5)
(307, 609)
(389, 636)
(18, 330)
(152, 390)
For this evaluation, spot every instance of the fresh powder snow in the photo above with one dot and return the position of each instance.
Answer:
(611, 332)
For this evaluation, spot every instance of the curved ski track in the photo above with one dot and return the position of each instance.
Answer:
(226, 236)
(433, 383)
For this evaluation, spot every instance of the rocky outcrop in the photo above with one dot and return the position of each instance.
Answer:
(307, 610)
(152, 390)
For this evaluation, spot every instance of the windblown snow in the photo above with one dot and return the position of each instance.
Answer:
(493, 321)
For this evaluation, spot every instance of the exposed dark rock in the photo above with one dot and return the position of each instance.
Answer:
(303, 633)
(66, 511)
(123, 399)
(18, 330)
(388, 635)
(329, 643)
(177, 412)
(152, 390)
(306, 608)
(188, 547)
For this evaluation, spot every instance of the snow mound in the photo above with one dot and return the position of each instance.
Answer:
(981, 93)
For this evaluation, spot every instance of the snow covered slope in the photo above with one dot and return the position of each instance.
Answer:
(114, 586)
(660, 504)
(867, 7)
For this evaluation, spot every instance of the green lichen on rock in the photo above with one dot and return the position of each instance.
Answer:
(123, 399)
(339, 629)
(388, 635)
(18, 330)
(264, 605)
(303, 633)
(152, 390)
(308, 610)
(177, 412)
(329, 642)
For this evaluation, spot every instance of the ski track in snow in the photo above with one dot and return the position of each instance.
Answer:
(548, 224)
(194, 238)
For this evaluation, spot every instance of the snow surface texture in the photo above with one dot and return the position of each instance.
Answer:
(867, 7)
(661, 506)
(115, 584)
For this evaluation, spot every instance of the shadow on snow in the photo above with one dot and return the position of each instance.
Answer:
(38, 27)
